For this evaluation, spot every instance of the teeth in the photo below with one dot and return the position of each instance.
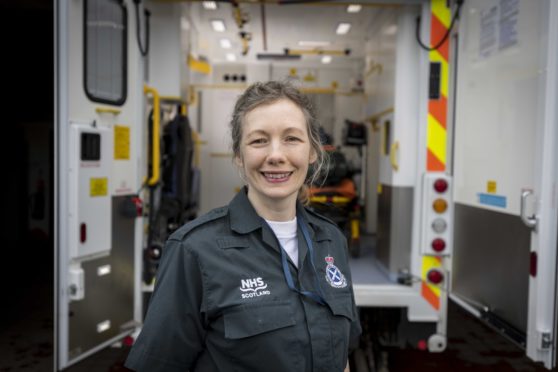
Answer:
(276, 175)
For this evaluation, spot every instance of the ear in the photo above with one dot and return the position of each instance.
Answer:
(313, 156)
(238, 161)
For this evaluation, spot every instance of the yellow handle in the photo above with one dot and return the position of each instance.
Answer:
(155, 132)
(355, 229)
(393, 155)
(107, 110)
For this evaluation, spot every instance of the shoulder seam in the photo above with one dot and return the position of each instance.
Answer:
(212, 215)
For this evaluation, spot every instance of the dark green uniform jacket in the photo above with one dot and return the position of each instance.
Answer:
(221, 302)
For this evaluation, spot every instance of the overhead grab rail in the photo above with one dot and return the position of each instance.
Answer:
(376, 117)
(155, 171)
(183, 105)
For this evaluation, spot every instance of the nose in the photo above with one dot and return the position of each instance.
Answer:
(276, 153)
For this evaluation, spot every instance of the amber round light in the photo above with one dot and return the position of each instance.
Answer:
(440, 205)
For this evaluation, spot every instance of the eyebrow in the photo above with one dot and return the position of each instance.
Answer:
(256, 132)
(293, 129)
(263, 132)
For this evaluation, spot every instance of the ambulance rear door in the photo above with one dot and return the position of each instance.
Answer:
(505, 170)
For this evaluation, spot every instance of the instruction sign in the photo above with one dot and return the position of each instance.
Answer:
(121, 142)
(509, 11)
(498, 27)
(488, 35)
(491, 187)
(98, 187)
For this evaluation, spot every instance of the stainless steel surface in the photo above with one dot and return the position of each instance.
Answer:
(395, 213)
(108, 297)
(365, 269)
(529, 221)
(491, 262)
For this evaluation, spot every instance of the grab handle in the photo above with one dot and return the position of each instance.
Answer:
(529, 221)
(155, 172)
(393, 155)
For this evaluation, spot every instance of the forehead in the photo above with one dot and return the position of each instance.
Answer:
(280, 114)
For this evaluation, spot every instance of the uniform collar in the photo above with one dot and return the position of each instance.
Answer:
(244, 219)
(243, 216)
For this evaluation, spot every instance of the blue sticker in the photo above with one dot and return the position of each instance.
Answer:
(493, 200)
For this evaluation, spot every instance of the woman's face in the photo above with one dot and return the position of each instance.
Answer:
(275, 152)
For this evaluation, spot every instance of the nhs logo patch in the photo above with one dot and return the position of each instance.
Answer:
(253, 288)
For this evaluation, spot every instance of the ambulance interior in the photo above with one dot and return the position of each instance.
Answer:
(350, 76)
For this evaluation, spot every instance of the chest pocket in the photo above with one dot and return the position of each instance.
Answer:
(250, 320)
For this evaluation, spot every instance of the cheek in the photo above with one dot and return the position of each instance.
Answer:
(250, 158)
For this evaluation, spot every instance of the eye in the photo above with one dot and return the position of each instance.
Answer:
(258, 141)
(293, 139)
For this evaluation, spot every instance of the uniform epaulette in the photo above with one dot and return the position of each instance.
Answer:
(321, 217)
(208, 217)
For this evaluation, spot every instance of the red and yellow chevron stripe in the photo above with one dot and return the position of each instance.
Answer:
(437, 108)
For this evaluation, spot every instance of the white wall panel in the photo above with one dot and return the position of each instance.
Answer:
(497, 108)
(219, 178)
(405, 128)
(166, 60)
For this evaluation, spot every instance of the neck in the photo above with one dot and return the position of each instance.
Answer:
(274, 210)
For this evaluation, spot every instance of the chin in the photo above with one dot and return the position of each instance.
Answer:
(280, 193)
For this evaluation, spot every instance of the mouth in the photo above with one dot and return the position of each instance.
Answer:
(275, 177)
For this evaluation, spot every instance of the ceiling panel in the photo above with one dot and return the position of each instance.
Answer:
(287, 25)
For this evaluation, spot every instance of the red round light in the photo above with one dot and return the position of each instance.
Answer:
(435, 276)
(440, 185)
(438, 245)
(128, 341)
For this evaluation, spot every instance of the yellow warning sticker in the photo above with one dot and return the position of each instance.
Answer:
(98, 186)
(121, 142)
(491, 187)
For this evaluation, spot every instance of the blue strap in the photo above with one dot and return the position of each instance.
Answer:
(317, 297)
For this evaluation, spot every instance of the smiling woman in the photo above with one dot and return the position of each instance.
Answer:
(263, 283)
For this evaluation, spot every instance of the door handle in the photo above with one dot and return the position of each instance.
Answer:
(394, 159)
(529, 221)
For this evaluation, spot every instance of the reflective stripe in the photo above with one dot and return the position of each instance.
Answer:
(440, 19)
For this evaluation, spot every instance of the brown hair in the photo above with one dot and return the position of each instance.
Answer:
(261, 93)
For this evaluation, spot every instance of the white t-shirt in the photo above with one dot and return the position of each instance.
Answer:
(285, 231)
